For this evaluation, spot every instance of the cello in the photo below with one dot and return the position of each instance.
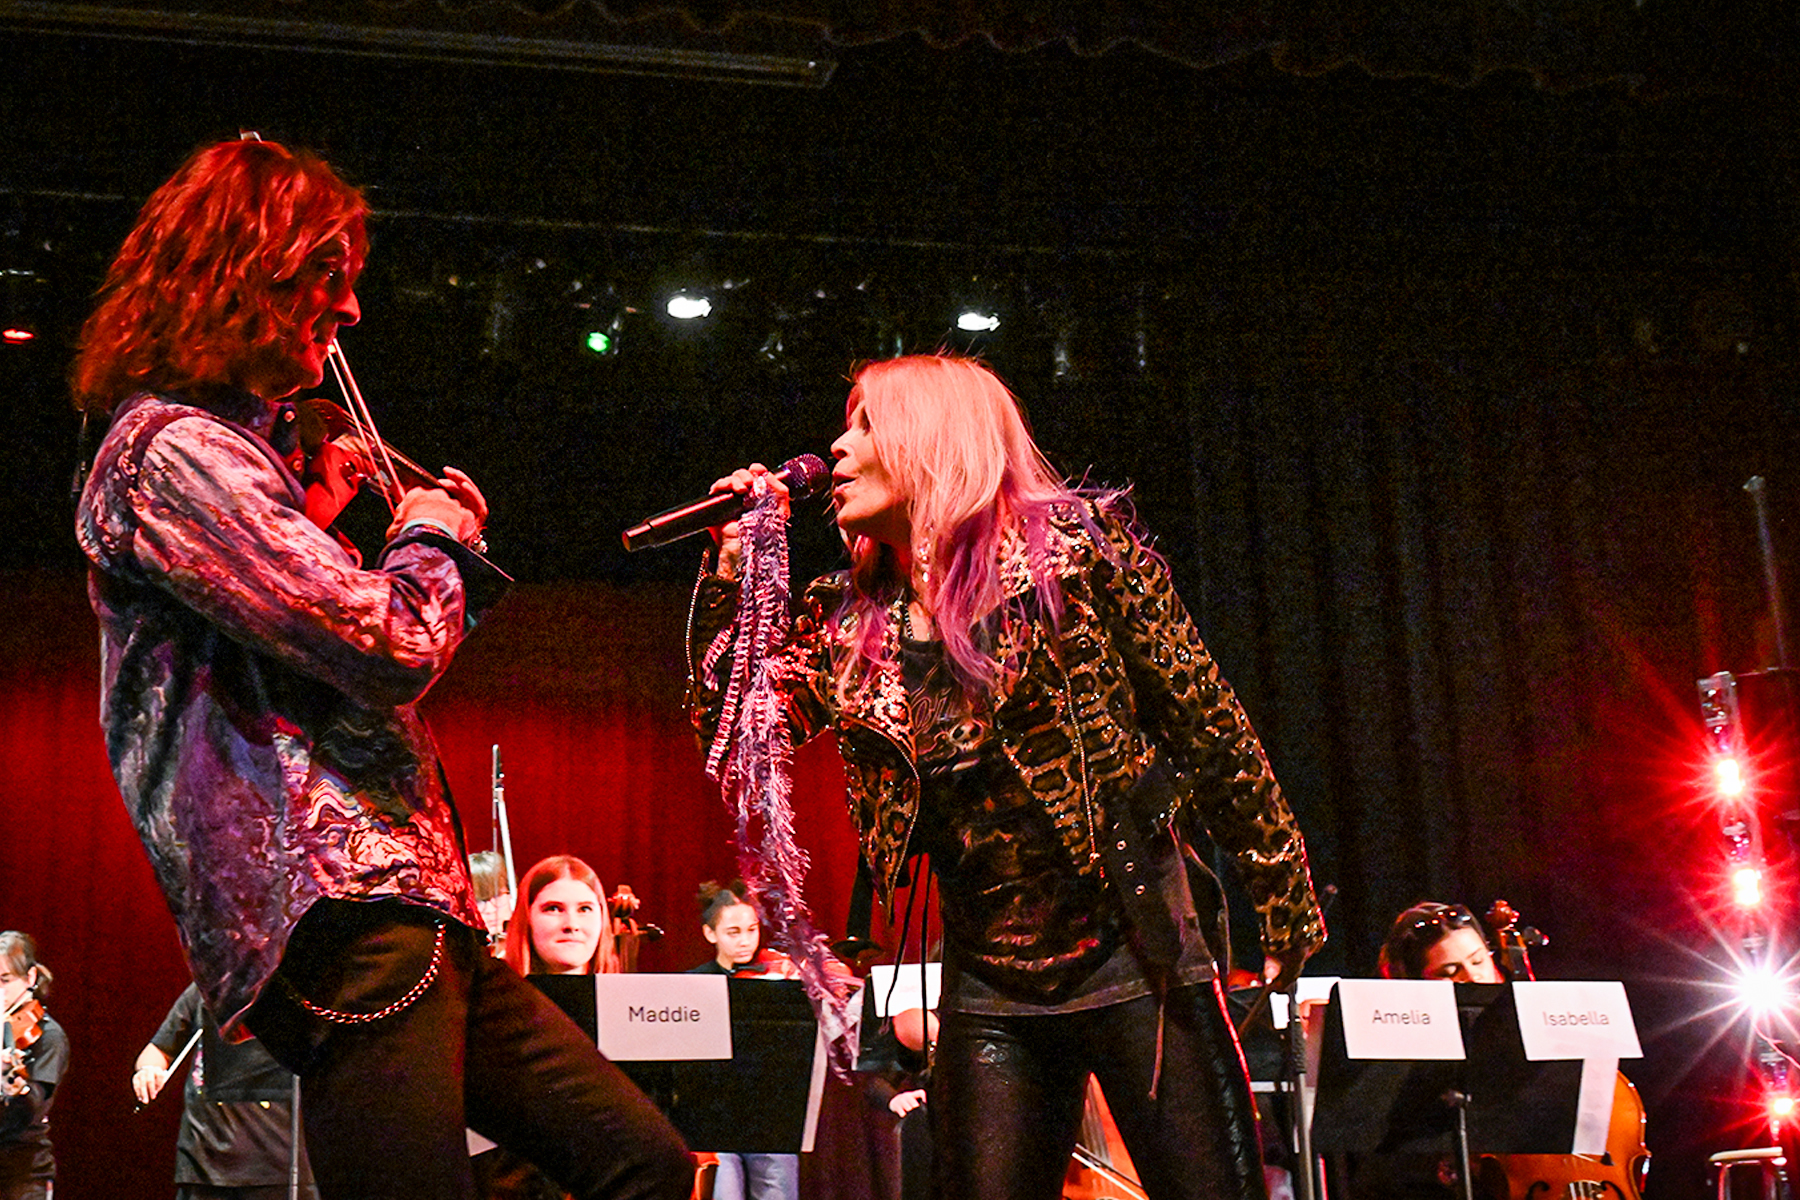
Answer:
(1619, 1173)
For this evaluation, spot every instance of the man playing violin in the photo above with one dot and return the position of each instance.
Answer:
(258, 692)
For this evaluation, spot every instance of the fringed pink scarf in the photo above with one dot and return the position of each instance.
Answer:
(750, 760)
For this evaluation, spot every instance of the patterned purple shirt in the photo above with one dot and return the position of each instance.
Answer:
(257, 687)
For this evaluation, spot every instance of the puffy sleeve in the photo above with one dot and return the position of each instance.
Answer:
(201, 511)
(1191, 714)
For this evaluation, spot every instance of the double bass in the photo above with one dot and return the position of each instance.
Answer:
(1618, 1174)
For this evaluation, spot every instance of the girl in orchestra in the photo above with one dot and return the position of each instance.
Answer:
(1439, 941)
(731, 919)
(732, 922)
(32, 1062)
(1017, 692)
(487, 871)
(559, 926)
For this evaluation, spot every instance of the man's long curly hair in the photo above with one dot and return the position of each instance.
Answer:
(204, 284)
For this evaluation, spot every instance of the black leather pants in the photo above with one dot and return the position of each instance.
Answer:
(385, 1103)
(1007, 1093)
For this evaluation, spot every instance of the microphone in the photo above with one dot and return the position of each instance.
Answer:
(804, 475)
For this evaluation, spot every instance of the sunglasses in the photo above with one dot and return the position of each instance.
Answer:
(1447, 917)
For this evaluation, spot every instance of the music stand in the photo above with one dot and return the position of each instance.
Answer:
(762, 1100)
(1492, 1101)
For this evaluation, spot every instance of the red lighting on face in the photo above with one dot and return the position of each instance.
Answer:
(13, 335)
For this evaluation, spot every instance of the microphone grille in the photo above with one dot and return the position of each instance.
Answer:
(805, 475)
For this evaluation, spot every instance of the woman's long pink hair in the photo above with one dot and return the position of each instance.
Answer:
(204, 284)
(954, 441)
(518, 951)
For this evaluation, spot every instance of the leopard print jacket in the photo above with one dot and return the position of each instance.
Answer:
(1081, 716)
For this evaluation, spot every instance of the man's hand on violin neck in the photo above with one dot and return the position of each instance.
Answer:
(435, 506)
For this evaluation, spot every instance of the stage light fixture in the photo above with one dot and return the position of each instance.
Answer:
(975, 320)
(689, 306)
(1762, 992)
(18, 306)
(1729, 774)
(1746, 887)
(602, 341)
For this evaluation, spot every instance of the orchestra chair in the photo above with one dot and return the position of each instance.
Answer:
(1759, 1174)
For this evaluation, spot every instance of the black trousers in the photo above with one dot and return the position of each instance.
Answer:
(1007, 1094)
(384, 1103)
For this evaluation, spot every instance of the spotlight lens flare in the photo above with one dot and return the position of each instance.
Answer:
(1762, 991)
(1746, 887)
(1730, 777)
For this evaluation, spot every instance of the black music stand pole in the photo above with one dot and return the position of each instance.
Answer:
(1465, 1164)
(1300, 1113)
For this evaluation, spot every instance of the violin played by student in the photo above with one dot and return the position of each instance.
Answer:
(34, 1053)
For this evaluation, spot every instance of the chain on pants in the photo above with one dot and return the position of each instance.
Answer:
(385, 1103)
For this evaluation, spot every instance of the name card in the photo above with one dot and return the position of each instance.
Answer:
(1402, 1019)
(1565, 1019)
(658, 1018)
(896, 995)
(1307, 988)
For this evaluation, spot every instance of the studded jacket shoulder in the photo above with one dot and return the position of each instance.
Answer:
(1088, 704)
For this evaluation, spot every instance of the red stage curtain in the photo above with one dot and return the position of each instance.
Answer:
(580, 684)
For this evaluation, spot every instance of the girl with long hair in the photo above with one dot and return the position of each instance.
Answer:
(561, 924)
(731, 922)
(1018, 694)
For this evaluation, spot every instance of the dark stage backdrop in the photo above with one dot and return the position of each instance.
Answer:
(1465, 598)
(1442, 413)
(580, 685)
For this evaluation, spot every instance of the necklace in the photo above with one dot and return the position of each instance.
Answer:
(906, 618)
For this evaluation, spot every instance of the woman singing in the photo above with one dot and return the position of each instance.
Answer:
(29, 1074)
(1018, 693)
